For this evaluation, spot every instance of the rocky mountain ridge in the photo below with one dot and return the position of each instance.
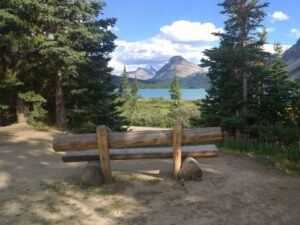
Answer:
(176, 66)
(143, 73)
(292, 59)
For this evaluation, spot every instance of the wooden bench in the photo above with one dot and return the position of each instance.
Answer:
(137, 145)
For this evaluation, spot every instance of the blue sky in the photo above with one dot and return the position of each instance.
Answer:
(151, 31)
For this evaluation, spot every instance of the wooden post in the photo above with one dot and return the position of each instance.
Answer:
(177, 138)
(103, 147)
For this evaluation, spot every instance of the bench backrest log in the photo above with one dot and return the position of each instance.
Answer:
(79, 142)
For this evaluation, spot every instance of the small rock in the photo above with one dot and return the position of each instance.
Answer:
(190, 170)
(91, 174)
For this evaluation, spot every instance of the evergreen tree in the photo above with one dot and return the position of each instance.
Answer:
(175, 91)
(124, 89)
(135, 87)
(133, 99)
(235, 67)
(91, 96)
(274, 97)
(58, 50)
(64, 49)
(294, 103)
(17, 47)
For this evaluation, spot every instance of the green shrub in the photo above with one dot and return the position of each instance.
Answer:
(182, 114)
(285, 158)
(38, 117)
(154, 119)
(157, 113)
(279, 134)
(6, 115)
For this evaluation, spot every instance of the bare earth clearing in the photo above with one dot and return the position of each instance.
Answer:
(36, 187)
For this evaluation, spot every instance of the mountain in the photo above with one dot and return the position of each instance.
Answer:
(177, 66)
(143, 73)
(150, 67)
(190, 75)
(292, 59)
(194, 81)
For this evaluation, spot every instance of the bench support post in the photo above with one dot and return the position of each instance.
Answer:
(103, 147)
(177, 139)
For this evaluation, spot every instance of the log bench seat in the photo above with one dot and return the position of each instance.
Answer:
(196, 151)
(104, 146)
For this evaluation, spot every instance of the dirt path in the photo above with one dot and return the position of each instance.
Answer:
(37, 188)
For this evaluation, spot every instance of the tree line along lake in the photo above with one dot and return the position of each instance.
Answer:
(187, 94)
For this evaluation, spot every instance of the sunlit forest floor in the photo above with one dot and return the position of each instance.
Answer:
(36, 187)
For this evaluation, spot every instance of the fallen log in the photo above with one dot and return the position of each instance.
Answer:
(65, 143)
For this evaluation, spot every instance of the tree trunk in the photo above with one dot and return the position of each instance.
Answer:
(245, 93)
(237, 130)
(60, 102)
(21, 112)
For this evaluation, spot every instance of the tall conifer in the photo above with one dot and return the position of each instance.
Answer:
(175, 91)
(135, 87)
(234, 66)
(124, 86)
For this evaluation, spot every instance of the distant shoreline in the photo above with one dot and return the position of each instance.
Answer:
(187, 93)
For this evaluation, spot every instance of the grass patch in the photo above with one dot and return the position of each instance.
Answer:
(285, 158)
(151, 182)
(157, 112)
(116, 205)
(114, 188)
(102, 211)
(58, 188)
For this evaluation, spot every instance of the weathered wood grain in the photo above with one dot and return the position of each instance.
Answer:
(102, 140)
(64, 143)
(197, 151)
(177, 137)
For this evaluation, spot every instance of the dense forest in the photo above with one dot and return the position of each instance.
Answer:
(53, 64)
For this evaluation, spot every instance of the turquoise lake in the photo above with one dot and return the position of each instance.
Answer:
(187, 94)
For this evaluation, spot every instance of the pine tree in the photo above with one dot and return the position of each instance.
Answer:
(294, 104)
(91, 98)
(274, 97)
(124, 89)
(133, 99)
(175, 91)
(58, 50)
(18, 44)
(67, 31)
(135, 87)
(234, 67)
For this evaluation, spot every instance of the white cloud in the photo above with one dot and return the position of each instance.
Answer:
(278, 16)
(185, 38)
(110, 28)
(186, 31)
(295, 33)
(270, 48)
(270, 29)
